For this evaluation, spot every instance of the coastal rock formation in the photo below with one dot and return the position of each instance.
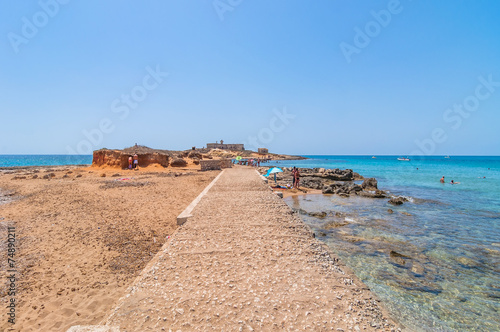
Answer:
(374, 194)
(397, 200)
(331, 181)
(370, 184)
(339, 188)
(119, 158)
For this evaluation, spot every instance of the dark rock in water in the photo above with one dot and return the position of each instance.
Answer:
(397, 254)
(373, 194)
(398, 258)
(322, 234)
(344, 195)
(390, 211)
(406, 213)
(300, 211)
(335, 224)
(397, 200)
(179, 162)
(370, 184)
(317, 214)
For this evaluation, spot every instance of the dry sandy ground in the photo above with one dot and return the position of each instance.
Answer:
(83, 238)
(243, 262)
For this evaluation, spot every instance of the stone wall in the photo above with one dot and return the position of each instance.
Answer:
(210, 165)
(225, 163)
(263, 151)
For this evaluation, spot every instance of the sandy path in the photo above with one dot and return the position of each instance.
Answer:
(83, 238)
(245, 262)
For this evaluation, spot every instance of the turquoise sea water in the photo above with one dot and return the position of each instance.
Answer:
(448, 277)
(44, 160)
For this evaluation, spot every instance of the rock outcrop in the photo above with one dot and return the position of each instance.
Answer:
(119, 158)
(332, 181)
(397, 200)
(342, 188)
(178, 162)
(370, 184)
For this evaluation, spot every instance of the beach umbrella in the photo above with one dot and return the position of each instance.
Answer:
(238, 158)
(274, 170)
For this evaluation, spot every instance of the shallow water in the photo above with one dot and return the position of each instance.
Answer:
(435, 261)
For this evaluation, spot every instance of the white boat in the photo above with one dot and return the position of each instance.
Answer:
(374, 157)
(404, 159)
(447, 157)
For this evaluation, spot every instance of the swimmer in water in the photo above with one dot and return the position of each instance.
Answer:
(442, 180)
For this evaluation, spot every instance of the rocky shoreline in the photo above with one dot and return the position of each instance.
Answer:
(332, 181)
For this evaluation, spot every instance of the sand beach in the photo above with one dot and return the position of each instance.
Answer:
(82, 238)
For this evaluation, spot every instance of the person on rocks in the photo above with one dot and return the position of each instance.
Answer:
(297, 178)
(293, 176)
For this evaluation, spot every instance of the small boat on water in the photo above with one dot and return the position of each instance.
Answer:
(374, 157)
(404, 159)
(447, 157)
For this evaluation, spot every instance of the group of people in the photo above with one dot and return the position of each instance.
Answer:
(295, 178)
(133, 162)
(250, 162)
(451, 182)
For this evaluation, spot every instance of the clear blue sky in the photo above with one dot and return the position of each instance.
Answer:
(355, 82)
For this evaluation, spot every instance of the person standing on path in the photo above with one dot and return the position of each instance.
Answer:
(294, 170)
(136, 161)
(129, 162)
